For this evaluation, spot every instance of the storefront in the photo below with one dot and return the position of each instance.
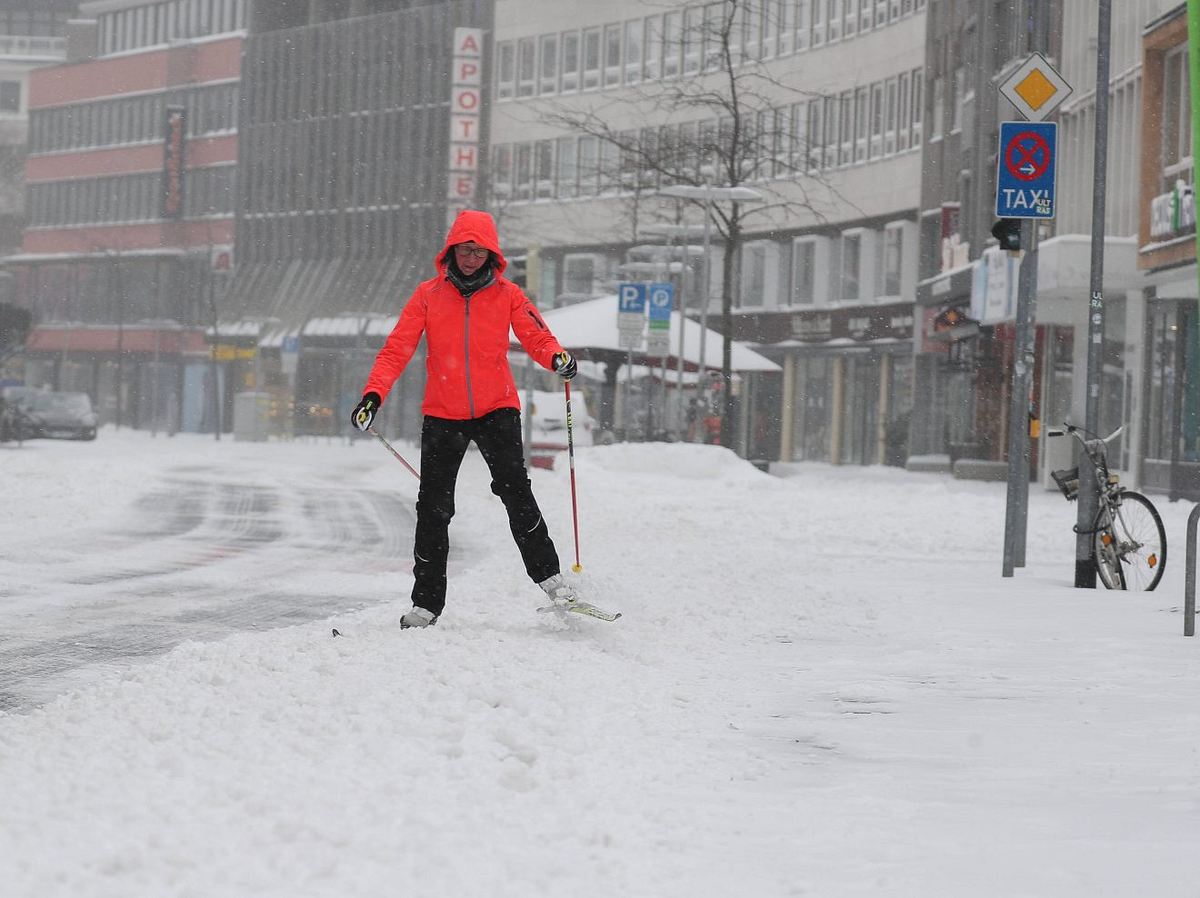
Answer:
(846, 391)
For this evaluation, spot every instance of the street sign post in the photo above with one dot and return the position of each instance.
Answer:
(661, 300)
(1025, 170)
(631, 314)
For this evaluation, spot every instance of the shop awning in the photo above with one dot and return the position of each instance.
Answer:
(106, 339)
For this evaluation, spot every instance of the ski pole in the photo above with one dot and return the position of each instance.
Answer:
(400, 458)
(576, 567)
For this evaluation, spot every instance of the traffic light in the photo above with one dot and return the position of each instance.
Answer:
(1008, 232)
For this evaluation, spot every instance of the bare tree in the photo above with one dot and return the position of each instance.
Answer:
(734, 123)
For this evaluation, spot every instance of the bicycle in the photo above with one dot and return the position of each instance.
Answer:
(1129, 541)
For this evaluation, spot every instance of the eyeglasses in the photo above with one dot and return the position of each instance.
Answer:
(479, 252)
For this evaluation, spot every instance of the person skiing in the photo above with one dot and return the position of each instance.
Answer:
(465, 313)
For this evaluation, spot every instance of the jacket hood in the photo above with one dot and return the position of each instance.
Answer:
(471, 225)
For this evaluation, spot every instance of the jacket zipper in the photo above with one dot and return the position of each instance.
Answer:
(467, 354)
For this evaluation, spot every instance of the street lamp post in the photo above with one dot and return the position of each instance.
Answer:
(710, 194)
(687, 232)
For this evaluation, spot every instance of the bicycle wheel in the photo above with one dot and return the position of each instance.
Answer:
(1108, 562)
(1141, 541)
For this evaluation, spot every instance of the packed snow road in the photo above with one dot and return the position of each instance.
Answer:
(820, 686)
(199, 550)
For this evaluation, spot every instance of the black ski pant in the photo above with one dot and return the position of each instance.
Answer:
(443, 445)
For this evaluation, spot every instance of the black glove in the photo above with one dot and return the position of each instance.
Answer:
(364, 412)
(564, 365)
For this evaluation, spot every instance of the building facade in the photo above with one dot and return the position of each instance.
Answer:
(129, 228)
(343, 194)
(597, 109)
(1166, 229)
(32, 35)
(966, 353)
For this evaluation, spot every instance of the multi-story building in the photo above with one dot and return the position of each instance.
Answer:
(966, 351)
(344, 184)
(32, 34)
(1169, 415)
(131, 173)
(593, 113)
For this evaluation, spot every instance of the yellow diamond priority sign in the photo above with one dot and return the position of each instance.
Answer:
(1035, 88)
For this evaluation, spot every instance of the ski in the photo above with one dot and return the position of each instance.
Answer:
(584, 608)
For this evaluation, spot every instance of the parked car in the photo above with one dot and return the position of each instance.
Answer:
(50, 415)
(547, 413)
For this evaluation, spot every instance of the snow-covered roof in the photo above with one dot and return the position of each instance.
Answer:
(593, 325)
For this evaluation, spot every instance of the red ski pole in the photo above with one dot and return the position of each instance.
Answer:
(576, 567)
(400, 458)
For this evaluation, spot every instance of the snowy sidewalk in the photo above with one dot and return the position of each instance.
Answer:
(821, 686)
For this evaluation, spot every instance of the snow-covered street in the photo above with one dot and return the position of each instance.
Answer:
(821, 685)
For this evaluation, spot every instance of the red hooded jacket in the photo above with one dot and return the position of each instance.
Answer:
(466, 364)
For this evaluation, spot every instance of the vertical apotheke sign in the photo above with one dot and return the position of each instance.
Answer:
(174, 149)
(466, 102)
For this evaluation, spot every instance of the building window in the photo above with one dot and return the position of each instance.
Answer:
(905, 114)
(786, 26)
(568, 175)
(1176, 120)
(754, 273)
(804, 268)
(890, 116)
(612, 55)
(803, 26)
(865, 14)
(851, 259)
(544, 169)
(652, 47)
(846, 140)
(570, 61)
(893, 260)
(861, 126)
(850, 25)
(816, 142)
(523, 177)
(501, 173)
(591, 58)
(833, 106)
(10, 96)
(526, 66)
(672, 44)
(505, 69)
(589, 160)
(693, 39)
(918, 79)
(548, 64)
(959, 91)
(752, 31)
(633, 51)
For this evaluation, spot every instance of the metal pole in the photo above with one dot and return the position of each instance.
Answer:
(216, 378)
(680, 417)
(707, 280)
(1189, 585)
(1089, 498)
(116, 272)
(1018, 417)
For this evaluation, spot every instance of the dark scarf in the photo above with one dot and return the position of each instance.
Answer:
(468, 286)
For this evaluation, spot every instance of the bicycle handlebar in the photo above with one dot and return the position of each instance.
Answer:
(1074, 431)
